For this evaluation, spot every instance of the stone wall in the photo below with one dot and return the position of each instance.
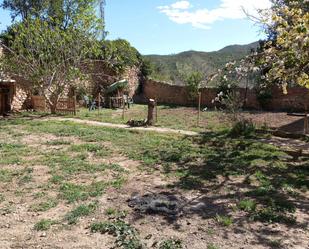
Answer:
(101, 76)
(178, 95)
(21, 99)
(132, 75)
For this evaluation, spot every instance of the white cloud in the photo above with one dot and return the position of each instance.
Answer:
(181, 5)
(203, 18)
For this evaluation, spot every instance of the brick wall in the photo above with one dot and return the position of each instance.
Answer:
(178, 95)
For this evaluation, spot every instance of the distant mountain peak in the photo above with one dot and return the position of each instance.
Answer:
(172, 68)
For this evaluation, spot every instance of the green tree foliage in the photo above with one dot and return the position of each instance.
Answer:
(23, 8)
(119, 54)
(193, 82)
(49, 50)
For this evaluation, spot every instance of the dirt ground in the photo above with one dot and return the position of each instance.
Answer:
(195, 225)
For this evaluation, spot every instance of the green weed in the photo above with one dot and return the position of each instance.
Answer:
(171, 244)
(224, 220)
(44, 225)
(126, 235)
(81, 211)
(44, 206)
(247, 205)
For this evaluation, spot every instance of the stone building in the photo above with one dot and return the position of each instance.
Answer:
(13, 94)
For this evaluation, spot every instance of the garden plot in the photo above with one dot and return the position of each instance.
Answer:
(68, 185)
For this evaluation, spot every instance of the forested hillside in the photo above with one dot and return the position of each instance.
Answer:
(172, 68)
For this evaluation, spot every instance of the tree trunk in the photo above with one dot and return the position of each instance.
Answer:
(151, 106)
(53, 108)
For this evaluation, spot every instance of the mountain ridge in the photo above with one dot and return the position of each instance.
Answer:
(173, 68)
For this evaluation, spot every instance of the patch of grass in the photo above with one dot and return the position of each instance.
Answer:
(24, 175)
(247, 205)
(126, 235)
(7, 209)
(271, 215)
(115, 213)
(57, 179)
(2, 198)
(25, 179)
(74, 164)
(224, 220)
(96, 149)
(44, 225)
(210, 231)
(81, 211)
(6, 175)
(110, 211)
(275, 243)
(73, 193)
(212, 246)
(44, 206)
(58, 142)
(39, 195)
(12, 153)
(171, 244)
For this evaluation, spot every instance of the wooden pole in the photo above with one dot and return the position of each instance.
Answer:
(123, 107)
(74, 105)
(99, 103)
(199, 109)
(306, 124)
(156, 103)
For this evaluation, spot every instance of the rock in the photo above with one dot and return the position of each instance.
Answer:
(149, 236)
(43, 234)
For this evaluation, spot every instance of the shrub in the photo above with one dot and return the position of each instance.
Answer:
(171, 244)
(264, 98)
(243, 128)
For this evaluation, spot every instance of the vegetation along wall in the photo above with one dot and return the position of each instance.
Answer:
(178, 95)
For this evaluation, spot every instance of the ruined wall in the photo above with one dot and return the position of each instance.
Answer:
(132, 75)
(21, 99)
(102, 76)
(178, 95)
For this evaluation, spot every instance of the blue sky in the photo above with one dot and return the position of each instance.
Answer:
(171, 26)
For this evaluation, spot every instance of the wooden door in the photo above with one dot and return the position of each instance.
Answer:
(1, 103)
(5, 100)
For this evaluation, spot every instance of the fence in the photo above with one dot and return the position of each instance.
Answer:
(38, 103)
(64, 106)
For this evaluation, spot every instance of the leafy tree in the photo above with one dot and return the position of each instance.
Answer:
(49, 51)
(23, 8)
(119, 54)
(193, 82)
(147, 67)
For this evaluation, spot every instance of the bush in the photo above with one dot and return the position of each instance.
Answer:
(171, 244)
(243, 128)
(264, 98)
